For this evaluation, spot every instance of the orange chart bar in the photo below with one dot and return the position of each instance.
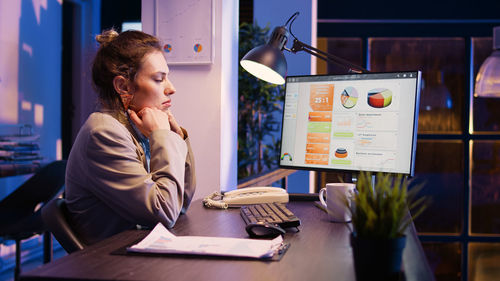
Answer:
(319, 148)
(321, 98)
(320, 116)
(321, 159)
(318, 138)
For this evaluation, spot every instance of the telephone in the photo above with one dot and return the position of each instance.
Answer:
(246, 196)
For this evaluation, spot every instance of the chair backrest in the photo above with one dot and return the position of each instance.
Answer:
(44, 185)
(56, 219)
(18, 211)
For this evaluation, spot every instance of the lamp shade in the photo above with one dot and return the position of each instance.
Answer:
(266, 62)
(488, 78)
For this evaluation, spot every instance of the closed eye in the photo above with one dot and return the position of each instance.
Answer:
(160, 77)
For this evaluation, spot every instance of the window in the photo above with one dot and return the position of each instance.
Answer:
(458, 150)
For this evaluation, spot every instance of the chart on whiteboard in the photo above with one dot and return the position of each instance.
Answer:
(185, 28)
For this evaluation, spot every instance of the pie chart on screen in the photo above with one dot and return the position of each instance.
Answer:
(379, 98)
(349, 97)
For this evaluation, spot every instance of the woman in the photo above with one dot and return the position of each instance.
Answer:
(131, 163)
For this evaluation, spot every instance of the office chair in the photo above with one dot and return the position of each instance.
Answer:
(20, 215)
(56, 219)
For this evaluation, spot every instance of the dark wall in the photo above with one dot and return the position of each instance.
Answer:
(115, 12)
(246, 11)
(420, 9)
(425, 18)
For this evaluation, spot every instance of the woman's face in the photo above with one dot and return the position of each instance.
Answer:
(151, 87)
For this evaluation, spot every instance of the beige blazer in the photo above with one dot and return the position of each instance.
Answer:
(108, 188)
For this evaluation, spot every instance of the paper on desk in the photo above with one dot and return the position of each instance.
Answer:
(160, 240)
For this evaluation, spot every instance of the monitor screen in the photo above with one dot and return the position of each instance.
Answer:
(352, 122)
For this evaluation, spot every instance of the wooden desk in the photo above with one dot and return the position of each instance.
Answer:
(319, 251)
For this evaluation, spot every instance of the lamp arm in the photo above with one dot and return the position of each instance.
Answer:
(301, 46)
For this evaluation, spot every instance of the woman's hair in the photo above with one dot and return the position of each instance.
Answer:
(119, 54)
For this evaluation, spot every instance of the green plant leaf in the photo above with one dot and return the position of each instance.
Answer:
(381, 210)
(259, 111)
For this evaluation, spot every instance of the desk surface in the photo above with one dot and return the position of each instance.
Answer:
(319, 251)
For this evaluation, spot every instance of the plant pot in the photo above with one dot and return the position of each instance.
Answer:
(377, 259)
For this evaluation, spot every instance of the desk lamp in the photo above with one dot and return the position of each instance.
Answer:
(268, 63)
(488, 78)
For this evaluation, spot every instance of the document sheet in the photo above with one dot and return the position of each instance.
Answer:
(160, 240)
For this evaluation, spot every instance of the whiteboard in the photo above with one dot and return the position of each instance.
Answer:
(187, 30)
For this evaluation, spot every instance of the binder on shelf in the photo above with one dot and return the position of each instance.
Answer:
(18, 144)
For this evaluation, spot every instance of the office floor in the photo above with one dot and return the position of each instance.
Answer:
(32, 261)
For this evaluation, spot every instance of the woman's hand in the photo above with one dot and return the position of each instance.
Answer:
(149, 119)
(174, 126)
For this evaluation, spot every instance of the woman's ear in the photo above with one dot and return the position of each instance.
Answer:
(122, 87)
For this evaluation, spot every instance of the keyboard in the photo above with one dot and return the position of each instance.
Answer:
(274, 213)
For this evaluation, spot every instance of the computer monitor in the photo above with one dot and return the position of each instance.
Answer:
(352, 122)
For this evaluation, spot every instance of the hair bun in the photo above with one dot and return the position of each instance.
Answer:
(106, 36)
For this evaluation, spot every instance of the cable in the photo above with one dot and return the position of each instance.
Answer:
(296, 14)
(209, 201)
(292, 18)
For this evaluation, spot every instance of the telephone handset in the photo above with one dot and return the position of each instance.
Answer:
(246, 196)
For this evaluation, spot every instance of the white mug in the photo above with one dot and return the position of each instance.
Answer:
(336, 196)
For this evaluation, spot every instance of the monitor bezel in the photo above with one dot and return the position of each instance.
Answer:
(353, 171)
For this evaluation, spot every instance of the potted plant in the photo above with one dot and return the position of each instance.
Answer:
(380, 216)
(259, 111)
